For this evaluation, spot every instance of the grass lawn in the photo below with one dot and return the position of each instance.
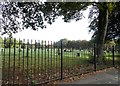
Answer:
(44, 65)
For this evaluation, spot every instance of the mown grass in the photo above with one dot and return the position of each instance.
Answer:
(42, 65)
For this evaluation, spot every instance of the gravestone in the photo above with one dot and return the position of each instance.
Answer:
(78, 54)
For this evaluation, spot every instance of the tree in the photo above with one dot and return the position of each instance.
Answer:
(114, 24)
(58, 43)
(105, 20)
(77, 44)
(35, 15)
(64, 42)
(84, 44)
(70, 44)
(113, 31)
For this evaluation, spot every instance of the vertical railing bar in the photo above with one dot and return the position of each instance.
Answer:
(56, 53)
(113, 55)
(35, 61)
(69, 55)
(31, 61)
(70, 69)
(61, 61)
(72, 63)
(27, 59)
(19, 61)
(38, 59)
(14, 62)
(65, 72)
(45, 61)
(76, 63)
(68, 62)
(54, 58)
(48, 62)
(42, 61)
(57, 64)
(64, 62)
(51, 61)
(23, 62)
(9, 60)
(94, 57)
(3, 77)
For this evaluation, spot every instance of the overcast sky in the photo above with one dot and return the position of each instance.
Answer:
(59, 30)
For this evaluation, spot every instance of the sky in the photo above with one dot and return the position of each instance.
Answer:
(58, 30)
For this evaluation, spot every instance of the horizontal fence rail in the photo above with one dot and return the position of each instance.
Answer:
(40, 62)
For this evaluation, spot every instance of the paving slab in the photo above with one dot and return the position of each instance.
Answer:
(109, 76)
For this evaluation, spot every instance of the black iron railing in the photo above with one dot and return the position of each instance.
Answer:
(39, 62)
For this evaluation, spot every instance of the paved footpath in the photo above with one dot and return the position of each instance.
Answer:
(109, 76)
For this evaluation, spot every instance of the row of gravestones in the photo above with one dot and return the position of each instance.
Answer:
(78, 52)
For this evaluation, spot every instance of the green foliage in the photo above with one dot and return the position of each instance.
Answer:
(113, 31)
(39, 13)
(114, 24)
(10, 42)
(74, 44)
(1, 42)
(111, 6)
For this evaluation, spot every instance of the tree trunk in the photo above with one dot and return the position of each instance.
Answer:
(102, 29)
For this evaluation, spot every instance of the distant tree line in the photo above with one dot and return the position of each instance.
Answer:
(68, 44)
(75, 44)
